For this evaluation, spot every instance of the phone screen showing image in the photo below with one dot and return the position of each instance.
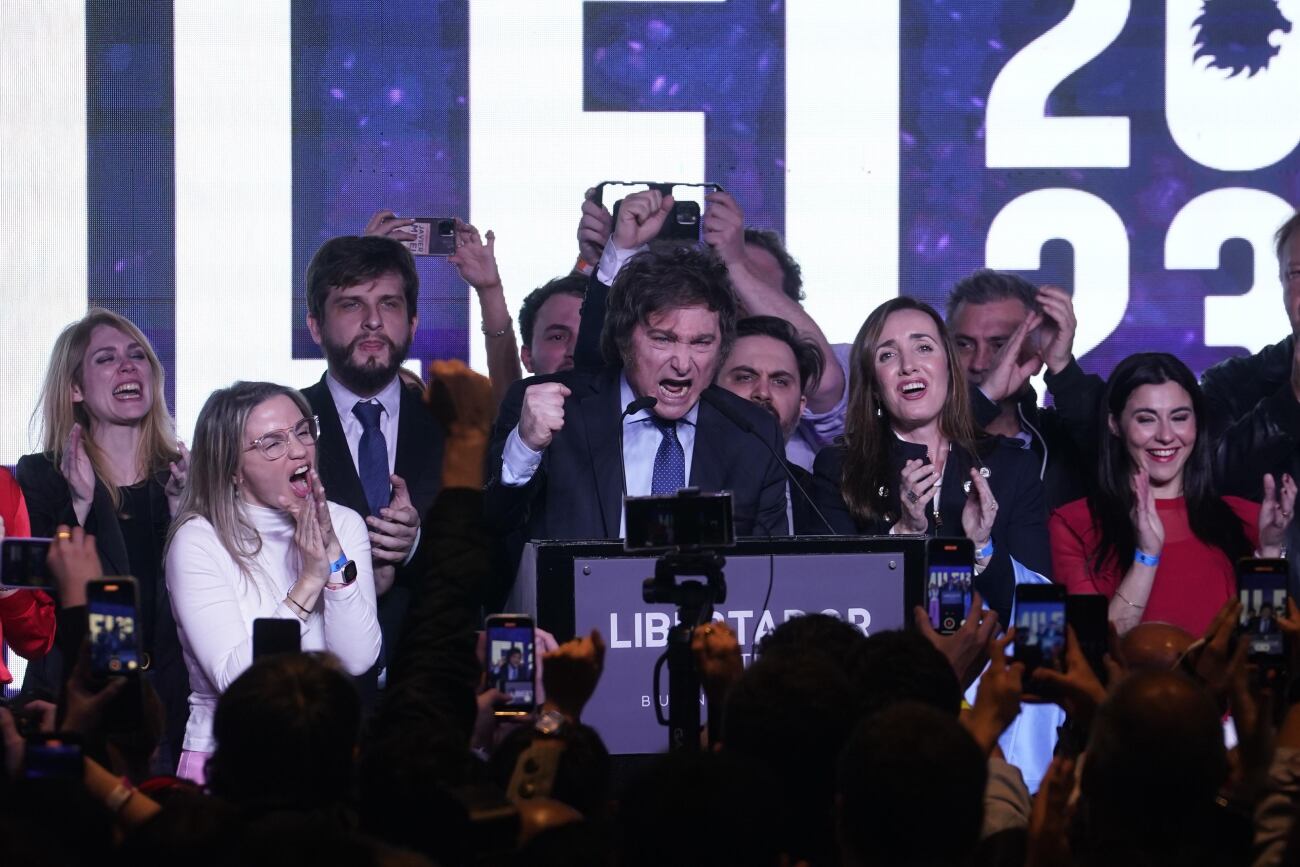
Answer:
(1263, 600)
(1040, 631)
(512, 665)
(112, 622)
(948, 594)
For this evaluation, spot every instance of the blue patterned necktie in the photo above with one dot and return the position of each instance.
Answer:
(670, 461)
(372, 456)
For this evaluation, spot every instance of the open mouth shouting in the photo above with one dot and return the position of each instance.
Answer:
(299, 484)
(128, 391)
(912, 389)
(674, 391)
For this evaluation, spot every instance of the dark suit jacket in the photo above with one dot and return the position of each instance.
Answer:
(576, 493)
(419, 453)
(1019, 530)
(418, 462)
(806, 522)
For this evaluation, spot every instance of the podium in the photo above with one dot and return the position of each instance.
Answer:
(571, 587)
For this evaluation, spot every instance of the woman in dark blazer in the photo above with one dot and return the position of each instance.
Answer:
(913, 462)
(110, 463)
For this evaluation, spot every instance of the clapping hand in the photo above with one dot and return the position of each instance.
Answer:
(918, 486)
(179, 474)
(1009, 373)
(1059, 307)
(394, 530)
(1275, 514)
(75, 466)
(979, 513)
(1148, 527)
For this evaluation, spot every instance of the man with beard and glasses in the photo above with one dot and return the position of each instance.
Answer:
(773, 366)
(379, 451)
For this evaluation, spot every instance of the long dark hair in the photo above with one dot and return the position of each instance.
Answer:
(868, 436)
(1112, 499)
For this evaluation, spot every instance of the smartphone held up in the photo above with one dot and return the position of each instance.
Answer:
(512, 662)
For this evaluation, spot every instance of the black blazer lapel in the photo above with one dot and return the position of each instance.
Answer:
(333, 458)
(601, 418)
(707, 458)
(419, 451)
(108, 533)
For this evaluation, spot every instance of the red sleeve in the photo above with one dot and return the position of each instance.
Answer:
(13, 508)
(1073, 543)
(27, 623)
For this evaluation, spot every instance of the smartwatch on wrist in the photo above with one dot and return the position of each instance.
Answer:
(345, 567)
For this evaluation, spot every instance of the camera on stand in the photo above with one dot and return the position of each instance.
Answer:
(687, 528)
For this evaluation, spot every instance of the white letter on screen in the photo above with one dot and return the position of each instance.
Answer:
(234, 203)
(533, 150)
(1195, 239)
(1226, 121)
(841, 158)
(1101, 253)
(1019, 132)
(43, 248)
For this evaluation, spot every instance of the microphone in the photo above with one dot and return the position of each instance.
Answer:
(632, 409)
(716, 401)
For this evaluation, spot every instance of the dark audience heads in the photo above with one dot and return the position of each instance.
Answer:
(581, 777)
(986, 286)
(868, 422)
(765, 241)
(1153, 646)
(910, 789)
(663, 279)
(555, 308)
(793, 713)
(816, 633)
(1154, 765)
(350, 260)
(893, 667)
(700, 810)
(286, 731)
(1129, 400)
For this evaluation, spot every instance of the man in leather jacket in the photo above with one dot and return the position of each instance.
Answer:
(1253, 402)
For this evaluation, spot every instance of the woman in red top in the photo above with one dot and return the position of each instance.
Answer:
(1154, 537)
(26, 616)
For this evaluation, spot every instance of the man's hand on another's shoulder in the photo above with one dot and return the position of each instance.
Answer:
(542, 415)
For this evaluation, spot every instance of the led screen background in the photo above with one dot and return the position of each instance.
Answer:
(179, 162)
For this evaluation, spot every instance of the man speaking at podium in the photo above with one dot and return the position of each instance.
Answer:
(565, 447)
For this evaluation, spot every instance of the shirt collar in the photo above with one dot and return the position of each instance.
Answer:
(344, 399)
(626, 396)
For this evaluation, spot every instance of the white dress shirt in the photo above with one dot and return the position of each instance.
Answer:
(641, 439)
(215, 605)
(391, 401)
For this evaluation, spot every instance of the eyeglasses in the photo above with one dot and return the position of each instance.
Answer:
(273, 444)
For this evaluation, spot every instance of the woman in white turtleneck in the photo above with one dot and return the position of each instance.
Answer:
(255, 537)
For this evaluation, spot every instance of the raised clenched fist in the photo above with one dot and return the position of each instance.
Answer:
(542, 414)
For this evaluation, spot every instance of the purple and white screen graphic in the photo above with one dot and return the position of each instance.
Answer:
(181, 162)
(865, 590)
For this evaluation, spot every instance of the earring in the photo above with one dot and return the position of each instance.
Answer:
(879, 413)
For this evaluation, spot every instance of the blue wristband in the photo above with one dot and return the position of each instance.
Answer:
(1146, 559)
(338, 564)
(986, 551)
